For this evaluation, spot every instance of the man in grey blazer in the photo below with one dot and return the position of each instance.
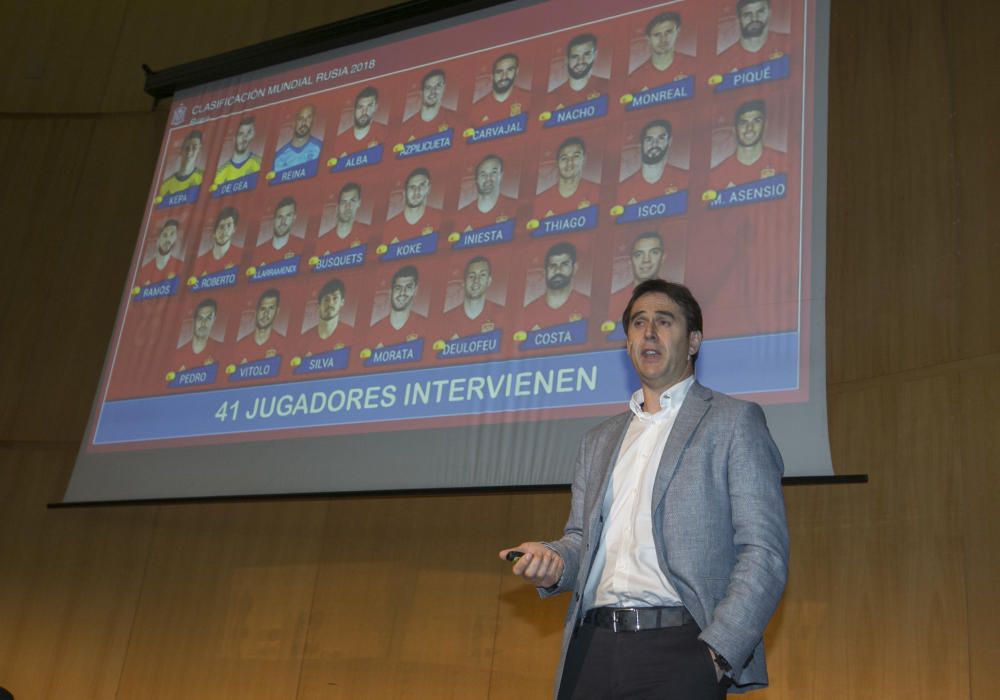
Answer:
(676, 547)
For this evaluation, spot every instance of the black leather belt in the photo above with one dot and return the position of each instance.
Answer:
(637, 619)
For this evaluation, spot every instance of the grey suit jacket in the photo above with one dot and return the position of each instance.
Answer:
(718, 524)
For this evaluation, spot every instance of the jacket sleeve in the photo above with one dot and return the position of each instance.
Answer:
(570, 544)
(760, 536)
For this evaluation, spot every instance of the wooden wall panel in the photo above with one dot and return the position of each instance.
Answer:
(406, 600)
(974, 36)
(56, 54)
(69, 585)
(891, 221)
(226, 602)
(76, 228)
(979, 418)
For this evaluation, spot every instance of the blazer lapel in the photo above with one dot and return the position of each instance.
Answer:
(692, 410)
(606, 454)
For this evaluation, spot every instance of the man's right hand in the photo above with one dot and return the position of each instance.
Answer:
(540, 566)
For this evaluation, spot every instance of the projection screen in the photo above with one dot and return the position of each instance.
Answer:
(401, 264)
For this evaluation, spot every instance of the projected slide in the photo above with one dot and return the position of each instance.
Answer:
(442, 229)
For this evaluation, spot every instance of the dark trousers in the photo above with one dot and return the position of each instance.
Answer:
(666, 664)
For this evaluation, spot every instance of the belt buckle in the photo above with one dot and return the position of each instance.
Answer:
(620, 616)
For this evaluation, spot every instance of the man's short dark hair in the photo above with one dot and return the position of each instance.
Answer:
(491, 156)
(740, 4)
(513, 56)
(418, 171)
(561, 248)
(661, 18)
(431, 74)
(271, 293)
(406, 271)
(247, 121)
(479, 259)
(650, 235)
(228, 213)
(209, 303)
(369, 91)
(286, 202)
(581, 39)
(348, 186)
(659, 122)
(572, 141)
(680, 295)
(751, 106)
(171, 222)
(334, 285)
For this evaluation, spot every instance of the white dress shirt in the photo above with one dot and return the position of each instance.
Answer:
(626, 573)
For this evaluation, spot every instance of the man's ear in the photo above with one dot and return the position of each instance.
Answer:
(694, 342)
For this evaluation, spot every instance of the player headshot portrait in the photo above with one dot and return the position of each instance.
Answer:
(754, 17)
(504, 76)
(223, 252)
(560, 303)
(329, 304)
(654, 176)
(285, 213)
(581, 52)
(752, 38)
(489, 178)
(164, 263)
(348, 204)
(188, 174)
(243, 161)
(365, 107)
(752, 159)
(201, 349)
(402, 323)
(416, 190)
(432, 87)
(647, 256)
(571, 189)
(263, 341)
(303, 147)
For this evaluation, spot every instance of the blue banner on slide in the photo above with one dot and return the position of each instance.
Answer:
(750, 364)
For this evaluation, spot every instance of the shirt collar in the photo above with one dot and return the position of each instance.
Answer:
(670, 401)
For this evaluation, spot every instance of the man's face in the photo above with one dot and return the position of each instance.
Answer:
(347, 205)
(165, 241)
(284, 219)
(662, 37)
(267, 310)
(304, 121)
(655, 142)
(659, 343)
(754, 18)
(488, 176)
(571, 161)
(559, 271)
(750, 127)
(580, 59)
(330, 305)
(224, 231)
(432, 90)
(403, 291)
(477, 279)
(244, 137)
(189, 152)
(204, 320)
(364, 111)
(647, 255)
(504, 75)
(417, 189)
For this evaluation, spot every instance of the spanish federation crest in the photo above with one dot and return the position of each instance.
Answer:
(179, 115)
